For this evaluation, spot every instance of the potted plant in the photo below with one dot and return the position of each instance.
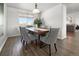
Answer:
(38, 22)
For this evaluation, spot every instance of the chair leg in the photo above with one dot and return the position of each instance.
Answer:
(55, 47)
(49, 50)
(23, 42)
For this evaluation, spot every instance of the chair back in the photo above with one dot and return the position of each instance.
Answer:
(24, 33)
(21, 30)
(53, 33)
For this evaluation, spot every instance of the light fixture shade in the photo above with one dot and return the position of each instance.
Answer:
(36, 11)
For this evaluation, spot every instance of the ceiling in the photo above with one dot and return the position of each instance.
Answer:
(30, 6)
(71, 7)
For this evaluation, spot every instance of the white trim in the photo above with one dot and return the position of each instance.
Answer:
(3, 44)
(14, 35)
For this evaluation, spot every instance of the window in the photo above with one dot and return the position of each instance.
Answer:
(25, 21)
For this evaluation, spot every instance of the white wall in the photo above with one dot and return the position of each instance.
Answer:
(56, 17)
(11, 22)
(1, 18)
(75, 17)
(4, 37)
(12, 16)
(1, 15)
(64, 18)
(77, 20)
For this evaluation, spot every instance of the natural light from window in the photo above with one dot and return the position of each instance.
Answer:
(25, 21)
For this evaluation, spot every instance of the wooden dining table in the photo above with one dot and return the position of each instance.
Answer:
(38, 31)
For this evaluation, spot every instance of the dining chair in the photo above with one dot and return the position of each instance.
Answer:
(51, 39)
(24, 36)
(21, 34)
(32, 36)
(27, 36)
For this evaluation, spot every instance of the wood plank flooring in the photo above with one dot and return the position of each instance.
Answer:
(66, 47)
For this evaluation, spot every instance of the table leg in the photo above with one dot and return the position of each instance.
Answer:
(39, 41)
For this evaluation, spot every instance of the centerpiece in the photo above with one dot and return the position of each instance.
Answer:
(38, 22)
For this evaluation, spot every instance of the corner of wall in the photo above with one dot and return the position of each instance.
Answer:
(3, 43)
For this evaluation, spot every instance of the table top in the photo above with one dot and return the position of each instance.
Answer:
(38, 30)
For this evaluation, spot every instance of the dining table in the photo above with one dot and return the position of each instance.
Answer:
(38, 31)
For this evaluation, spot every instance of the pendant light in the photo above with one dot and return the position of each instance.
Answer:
(36, 10)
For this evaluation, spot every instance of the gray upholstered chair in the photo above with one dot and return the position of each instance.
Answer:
(32, 36)
(21, 33)
(51, 38)
(26, 36)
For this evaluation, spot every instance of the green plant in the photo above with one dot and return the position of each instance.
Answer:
(38, 22)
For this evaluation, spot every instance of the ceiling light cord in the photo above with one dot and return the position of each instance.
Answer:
(36, 10)
(35, 5)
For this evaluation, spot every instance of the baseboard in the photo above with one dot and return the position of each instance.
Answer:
(3, 44)
(61, 38)
(14, 35)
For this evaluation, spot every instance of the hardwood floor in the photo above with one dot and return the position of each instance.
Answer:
(66, 47)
